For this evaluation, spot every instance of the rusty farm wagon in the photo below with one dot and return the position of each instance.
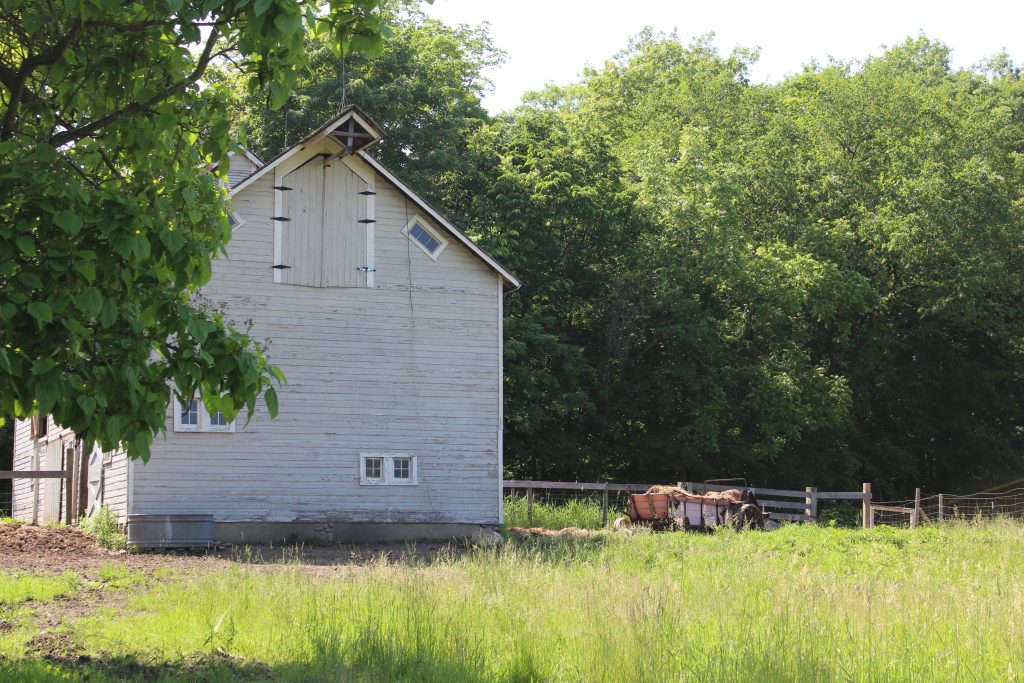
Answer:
(675, 508)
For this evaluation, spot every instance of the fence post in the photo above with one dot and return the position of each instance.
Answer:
(811, 501)
(941, 513)
(867, 517)
(604, 506)
(916, 519)
(529, 502)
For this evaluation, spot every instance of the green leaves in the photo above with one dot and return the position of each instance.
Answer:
(41, 312)
(270, 397)
(68, 221)
(89, 301)
(26, 244)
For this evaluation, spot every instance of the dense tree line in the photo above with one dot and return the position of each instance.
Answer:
(815, 281)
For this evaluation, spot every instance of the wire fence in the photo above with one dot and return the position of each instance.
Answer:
(6, 499)
(946, 507)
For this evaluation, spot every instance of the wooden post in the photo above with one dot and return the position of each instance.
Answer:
(69, 486)
(811, 501)
(916, 518)
(529, 503)
(867, 517)
(941, 513)
(35, 486)
(604, 506)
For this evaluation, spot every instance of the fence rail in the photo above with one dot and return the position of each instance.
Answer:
(804, 509)
(7, 495)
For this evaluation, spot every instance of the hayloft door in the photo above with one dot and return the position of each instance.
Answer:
(345, 227)
(302, 240)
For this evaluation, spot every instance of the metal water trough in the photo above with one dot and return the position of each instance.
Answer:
(170, 531)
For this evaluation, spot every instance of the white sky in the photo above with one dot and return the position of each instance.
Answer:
(550, 41)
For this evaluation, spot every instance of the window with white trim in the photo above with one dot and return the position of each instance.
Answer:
(425, 237)
(388, 469)
(192, 416)
(186, 417)
(234, 220)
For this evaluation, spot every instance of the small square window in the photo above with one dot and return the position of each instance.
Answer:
(387, 469)
(374, 467)
(403, 468)
(190, 413)
(192, 416)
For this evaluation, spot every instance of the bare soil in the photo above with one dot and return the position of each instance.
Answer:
(56, 549)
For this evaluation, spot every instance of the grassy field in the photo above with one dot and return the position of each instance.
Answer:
(797, 604)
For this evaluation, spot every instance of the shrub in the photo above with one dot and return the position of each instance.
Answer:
(103, 525)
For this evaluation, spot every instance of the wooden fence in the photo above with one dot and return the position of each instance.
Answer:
(785, 505)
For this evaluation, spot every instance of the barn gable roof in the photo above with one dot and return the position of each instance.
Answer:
(353, 129)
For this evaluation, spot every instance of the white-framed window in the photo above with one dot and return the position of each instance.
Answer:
(388, 469)
(219, 423)
(426, 238)
(186, 415)
(192, 416)
(234, 220)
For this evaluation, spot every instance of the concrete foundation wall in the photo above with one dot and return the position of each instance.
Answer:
(339, 532)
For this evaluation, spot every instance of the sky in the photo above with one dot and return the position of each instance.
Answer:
(550, 41)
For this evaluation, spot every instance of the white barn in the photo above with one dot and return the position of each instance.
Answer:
(386, 321)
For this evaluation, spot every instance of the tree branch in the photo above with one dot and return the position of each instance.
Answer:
(205, 58)
(28, 65)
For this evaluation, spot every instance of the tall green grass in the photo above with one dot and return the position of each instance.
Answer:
(799, 604)
(582, 514)
(19, 587)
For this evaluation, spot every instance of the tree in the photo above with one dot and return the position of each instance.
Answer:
(111, 221)
(836, 281)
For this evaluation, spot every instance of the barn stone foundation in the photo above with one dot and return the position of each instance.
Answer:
(193, 531)
(340, 532)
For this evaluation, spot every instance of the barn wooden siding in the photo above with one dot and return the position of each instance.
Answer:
(241, 166)
(410, 365)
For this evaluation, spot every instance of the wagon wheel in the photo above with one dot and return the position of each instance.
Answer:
(749, 516)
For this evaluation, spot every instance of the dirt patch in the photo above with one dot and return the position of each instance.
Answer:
(53, 549)
(56, 645)
(213, 666)
(40, 540)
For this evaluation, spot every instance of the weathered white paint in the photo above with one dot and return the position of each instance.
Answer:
(410, 365)
(512, 281)
(241, 166)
